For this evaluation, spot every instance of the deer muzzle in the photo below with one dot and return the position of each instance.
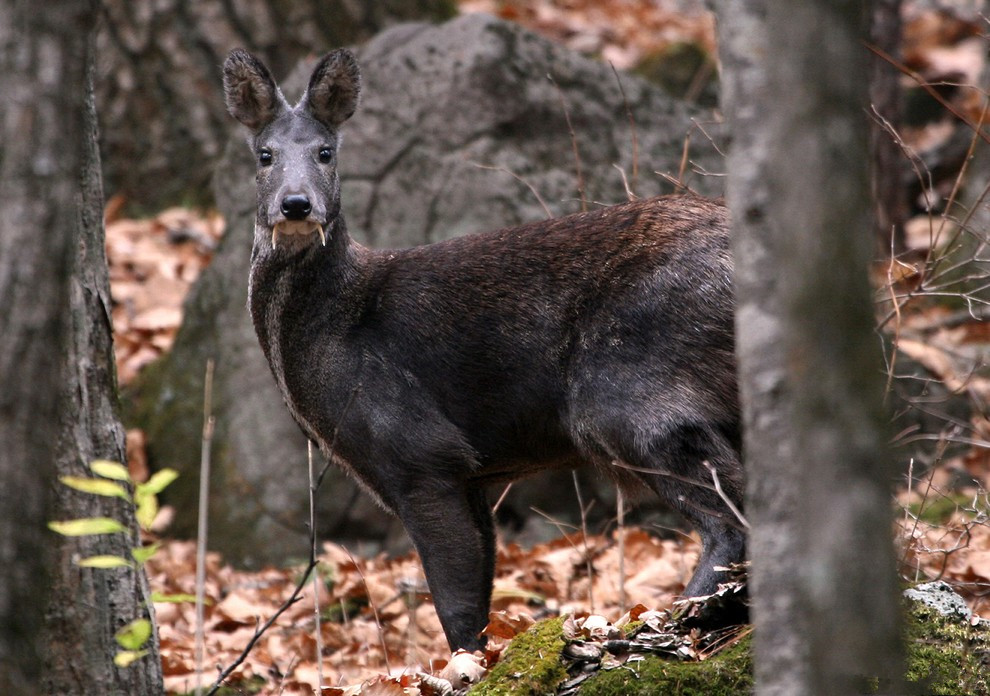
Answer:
(297, 228)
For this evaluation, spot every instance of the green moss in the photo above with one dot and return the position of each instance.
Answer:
(729, 672)
(946, 655)
(684, 70)
(531, 665)
(939, 509)
(172, 419)
(343, 611)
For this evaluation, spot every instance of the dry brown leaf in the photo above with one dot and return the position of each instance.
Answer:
(504, 625)
(979, 564)
(137, 458)
(464, 669)
(157, 319)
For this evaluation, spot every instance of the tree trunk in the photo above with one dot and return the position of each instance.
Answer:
(159, 94)
(42, 73)
(887, 162)
(823, 581)
(89, 605)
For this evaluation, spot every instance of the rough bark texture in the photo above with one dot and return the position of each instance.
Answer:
(89, 605)
(159, 75)
(437, 102)
(823, 580)
(42, 62)
(887, 162)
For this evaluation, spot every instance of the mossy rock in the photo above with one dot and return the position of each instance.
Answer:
(946, 654)
(531, 665)
(727, 673)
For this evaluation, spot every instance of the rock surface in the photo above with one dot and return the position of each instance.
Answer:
(442, 106)
(940, 596)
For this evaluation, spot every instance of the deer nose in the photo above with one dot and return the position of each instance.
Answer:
(296, 207)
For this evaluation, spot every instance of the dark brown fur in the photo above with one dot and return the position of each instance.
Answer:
(602, 338)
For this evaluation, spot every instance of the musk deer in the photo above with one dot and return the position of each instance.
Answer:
(602, 338)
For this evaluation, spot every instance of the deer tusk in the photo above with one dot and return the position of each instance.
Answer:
(323, 237)
(275, 236)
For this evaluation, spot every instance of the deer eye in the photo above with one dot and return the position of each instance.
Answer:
(264, 157)
(326, 155)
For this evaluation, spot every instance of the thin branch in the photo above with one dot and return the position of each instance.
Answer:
(505, 492)
(574, 145)
(374, 610)
(201, 531)
(685, 149)
(310, 566)
(625, 183)
(258, 632)
(632, 128)
(725, 498)
(584, 533)
(336, 431)
(316, 576)
(620, 504)
(928, 88)
(518, 178)
(667, 474)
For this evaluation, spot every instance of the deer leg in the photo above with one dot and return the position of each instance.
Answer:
(684, 482)
(451, 527)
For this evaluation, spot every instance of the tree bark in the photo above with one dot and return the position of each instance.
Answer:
(823, 580)
(89, 605)
(42, 62)
(887, 162)
(159, 90)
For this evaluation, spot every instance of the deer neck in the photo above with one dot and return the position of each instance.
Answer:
(290, 289)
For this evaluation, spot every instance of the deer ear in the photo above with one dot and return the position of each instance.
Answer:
(250, 91)
(334, 88)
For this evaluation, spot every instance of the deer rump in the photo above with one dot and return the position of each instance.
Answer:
(601, 338)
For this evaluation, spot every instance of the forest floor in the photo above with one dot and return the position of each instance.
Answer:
(377, 625)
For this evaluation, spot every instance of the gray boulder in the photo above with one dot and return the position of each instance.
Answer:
(460, 130)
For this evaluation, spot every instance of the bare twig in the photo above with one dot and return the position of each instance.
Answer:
(721, 493)
(584, 534)
(924, 499)
(632, 129)
(931, 90)
(260, 631)
(201, 531)
(892, 363)
(677, 183)
(316, 576)
(667, 474)
(505, 492)
(310, 566)
(952, 319)
(518, 178)
(695, 123)
(336, 430)
(957, 184)
(620, 504)
(374, 610)
(685, 149)
(625, 183)
(574, 145)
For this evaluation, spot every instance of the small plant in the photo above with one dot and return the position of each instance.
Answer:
(113, 480)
